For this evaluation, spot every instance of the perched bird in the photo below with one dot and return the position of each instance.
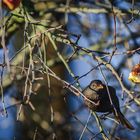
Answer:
(97, 93)
(134, 75)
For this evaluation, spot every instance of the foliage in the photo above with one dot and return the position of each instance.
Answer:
(48, 37)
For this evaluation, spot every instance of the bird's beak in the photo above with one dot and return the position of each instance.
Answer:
(100, 86)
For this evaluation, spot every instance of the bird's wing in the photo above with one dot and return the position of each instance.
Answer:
(114, 97)
(90, 94)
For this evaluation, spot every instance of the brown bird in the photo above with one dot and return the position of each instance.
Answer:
(98, 94)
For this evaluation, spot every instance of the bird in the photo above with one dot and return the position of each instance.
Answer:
(102, 98)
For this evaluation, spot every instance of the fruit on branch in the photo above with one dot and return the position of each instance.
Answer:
(134, 75)
(11, 4)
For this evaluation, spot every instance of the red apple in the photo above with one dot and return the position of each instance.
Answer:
(12, 4)
(134, 75)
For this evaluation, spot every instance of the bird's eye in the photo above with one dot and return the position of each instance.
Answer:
(92, 86)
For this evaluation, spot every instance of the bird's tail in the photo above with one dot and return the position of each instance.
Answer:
(121, 118)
